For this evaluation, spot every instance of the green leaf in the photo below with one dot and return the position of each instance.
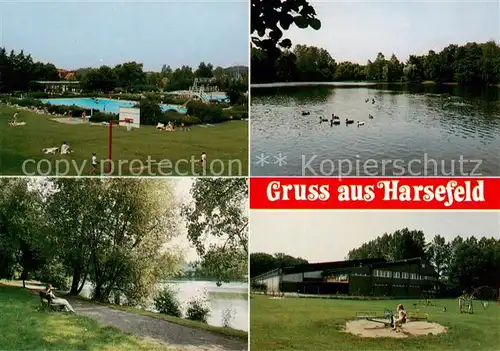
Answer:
(276, 34)
(286, 22)
(315, 23)
(301, 22)
(286, 43)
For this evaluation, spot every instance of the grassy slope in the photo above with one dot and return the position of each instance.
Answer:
(226, 141)
(25, 326)
(316, 324)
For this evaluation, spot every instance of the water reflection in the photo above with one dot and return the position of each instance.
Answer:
(410, 122)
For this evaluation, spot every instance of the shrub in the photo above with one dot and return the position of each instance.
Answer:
(98, 117)
(150, 112)
(198, 309)
(255, 286)
(206, 113)
(167, 302)
(54, 273)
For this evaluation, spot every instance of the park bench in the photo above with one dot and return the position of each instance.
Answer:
(46, 301)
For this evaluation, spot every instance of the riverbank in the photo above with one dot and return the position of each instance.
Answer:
(233, 333)
(349, 84)
(25, 325)
(141, 330)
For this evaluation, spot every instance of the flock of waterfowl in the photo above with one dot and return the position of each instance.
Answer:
(335, 120)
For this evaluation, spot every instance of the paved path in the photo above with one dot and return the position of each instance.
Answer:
(175, 336)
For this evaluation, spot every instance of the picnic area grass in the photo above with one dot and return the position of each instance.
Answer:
(227, 142)
(317, 324)
(24, 325)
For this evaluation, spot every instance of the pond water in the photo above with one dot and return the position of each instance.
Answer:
(106, 105)
(231, 297)
(421, 130)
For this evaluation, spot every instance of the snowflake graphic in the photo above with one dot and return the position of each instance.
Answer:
(280, 160)
(262, 160)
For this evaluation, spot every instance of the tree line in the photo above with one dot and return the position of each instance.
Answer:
(462, 263)
(19, 72)
(261, 262)
(115, 234)
(466, 263)
(469, 64)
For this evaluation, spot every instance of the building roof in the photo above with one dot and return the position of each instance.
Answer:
(345, 266)
(322, 266)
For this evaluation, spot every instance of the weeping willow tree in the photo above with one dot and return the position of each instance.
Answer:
(217, 223)
(115, 233)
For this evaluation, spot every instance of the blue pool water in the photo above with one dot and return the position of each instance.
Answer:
(106, 105)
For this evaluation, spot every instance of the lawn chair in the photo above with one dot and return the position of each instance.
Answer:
(47, 301)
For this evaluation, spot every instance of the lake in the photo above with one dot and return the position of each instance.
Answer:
(229, 296)
(416, 130)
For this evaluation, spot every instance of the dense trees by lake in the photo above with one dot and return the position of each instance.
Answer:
(117, 234)
(19, 71)
(470, 64)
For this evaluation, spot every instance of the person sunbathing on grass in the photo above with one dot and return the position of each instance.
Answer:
(65, 149)
(401, 317)
(49, 290)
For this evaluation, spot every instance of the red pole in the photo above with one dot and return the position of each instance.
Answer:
(110, 138)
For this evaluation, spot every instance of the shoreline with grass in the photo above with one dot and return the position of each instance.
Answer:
(93, 319)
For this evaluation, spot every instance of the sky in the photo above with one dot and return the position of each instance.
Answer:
(321, 236)
(75, 34)
(356, 31)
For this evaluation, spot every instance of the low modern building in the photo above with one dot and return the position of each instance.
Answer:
(370, 277)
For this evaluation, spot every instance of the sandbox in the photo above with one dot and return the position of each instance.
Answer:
(73, 120)
(369, 329)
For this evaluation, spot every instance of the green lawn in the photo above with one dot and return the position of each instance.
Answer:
(317, 324)
(227, 142)
(24, 325)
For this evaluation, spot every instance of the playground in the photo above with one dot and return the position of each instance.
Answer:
(363, 324)
(180, 151)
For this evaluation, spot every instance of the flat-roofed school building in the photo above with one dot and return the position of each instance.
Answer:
(370, 277)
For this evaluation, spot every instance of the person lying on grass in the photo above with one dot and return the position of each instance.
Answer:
(57, 300)
(401, 317)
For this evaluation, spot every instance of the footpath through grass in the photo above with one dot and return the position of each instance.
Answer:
(317, 324)
(24, 325)
(225, 144)
(234, 333)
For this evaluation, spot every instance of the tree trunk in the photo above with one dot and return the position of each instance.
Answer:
(82, 285)
(98, 292)
(75, 281)
(24, 276)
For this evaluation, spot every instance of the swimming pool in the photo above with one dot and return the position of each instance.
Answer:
(106, 105)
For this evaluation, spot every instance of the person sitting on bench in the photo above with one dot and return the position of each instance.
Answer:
(58, 301)
(401, 317)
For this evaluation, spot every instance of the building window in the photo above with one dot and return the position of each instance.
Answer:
(397, 275)
(405, 275)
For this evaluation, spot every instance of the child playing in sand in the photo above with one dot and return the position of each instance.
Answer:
(401, 317)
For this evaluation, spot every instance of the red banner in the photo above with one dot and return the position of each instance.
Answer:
(375, 193)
